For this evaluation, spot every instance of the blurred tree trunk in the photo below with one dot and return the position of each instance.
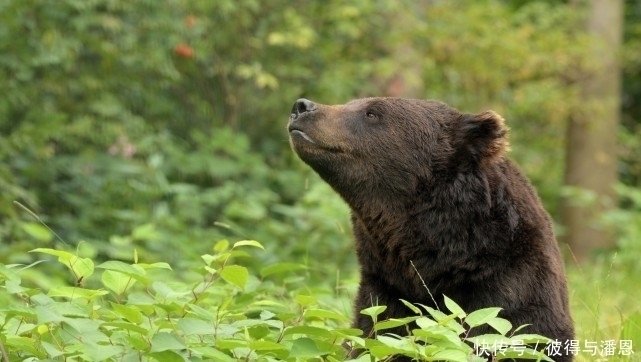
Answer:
(591, 155)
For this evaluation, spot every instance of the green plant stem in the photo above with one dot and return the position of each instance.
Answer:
(5, 356)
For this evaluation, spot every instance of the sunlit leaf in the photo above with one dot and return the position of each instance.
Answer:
(235, 274)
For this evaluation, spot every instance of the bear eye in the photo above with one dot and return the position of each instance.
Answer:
(370, 115)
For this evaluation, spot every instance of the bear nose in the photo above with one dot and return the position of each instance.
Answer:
(301, 106)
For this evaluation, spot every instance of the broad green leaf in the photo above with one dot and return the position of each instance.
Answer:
(453, 355)
(411, 306)
(129, 327)
(128, 312)
(259, 332)
(490, 342)
(228, 344)
(425, 322)
(221, 246)
(81, 267)
(439, 333)
(159, 265)
(115, 265)
(99, 352)
(63, 256)
(118, 282)
(500, 325)
(37, 231)
(253, 243)
(165, 341)
(235, 274)
(75, 292)
(481, 316)
(196, 326)
(167, 356)
(374, 311)
(16, 343)
(308, 331)
(213, 354)
(48, 315)
(52, 350)
(531, 339)
(305, 300)
(262, 345)
(453, 307)
(324, 314)
(304, 348)
(393, 323)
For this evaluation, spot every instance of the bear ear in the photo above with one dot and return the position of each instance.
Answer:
(483, 135)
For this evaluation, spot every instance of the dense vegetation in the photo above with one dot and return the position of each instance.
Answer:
(136, 135)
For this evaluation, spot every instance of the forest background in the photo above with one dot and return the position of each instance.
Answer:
(148, 130)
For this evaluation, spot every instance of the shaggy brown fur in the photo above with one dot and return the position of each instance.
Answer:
(432, 186)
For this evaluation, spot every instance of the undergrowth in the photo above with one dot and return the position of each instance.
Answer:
(117, 311)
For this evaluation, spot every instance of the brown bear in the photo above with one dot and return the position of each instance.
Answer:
(436, 202)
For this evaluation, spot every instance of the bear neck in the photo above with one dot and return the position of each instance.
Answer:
(418, 214)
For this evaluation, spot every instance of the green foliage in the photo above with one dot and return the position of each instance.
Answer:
(140, 312)
(159, 127)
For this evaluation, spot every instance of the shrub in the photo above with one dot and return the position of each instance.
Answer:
(117, 311)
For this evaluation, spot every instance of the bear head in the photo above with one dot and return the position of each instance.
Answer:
(392, 148)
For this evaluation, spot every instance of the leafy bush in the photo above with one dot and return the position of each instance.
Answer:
(116, 311)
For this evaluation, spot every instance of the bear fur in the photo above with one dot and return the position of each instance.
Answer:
(436, 202)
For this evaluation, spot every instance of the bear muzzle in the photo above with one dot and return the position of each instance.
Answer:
(300, 108)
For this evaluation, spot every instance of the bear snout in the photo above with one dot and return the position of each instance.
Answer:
(302, 106)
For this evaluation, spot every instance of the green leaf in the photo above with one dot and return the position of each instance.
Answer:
(262, 345)
(531, 339)
(80, 267)
(308, 331)
(167, 356)
(213, 354)
(454, 355)
(130, 313)
(500, 325)
(393, 323)
(305, 300)
(164, 341)
(235, 274)
(221, 246)
(133, 270)
(439, 333)
(196, 326)
(324, 314)
(118, 282)
(411, 306)
(453, 307)
(253, 243)
(425, 322)
(127, 327)
(75, 292)
(374, 311)
(159, 265)
(16, 343)
(481, 316)
(304, 348)
(37, 231)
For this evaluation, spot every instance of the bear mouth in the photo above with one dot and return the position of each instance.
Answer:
(296, 133)
(300, 133)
